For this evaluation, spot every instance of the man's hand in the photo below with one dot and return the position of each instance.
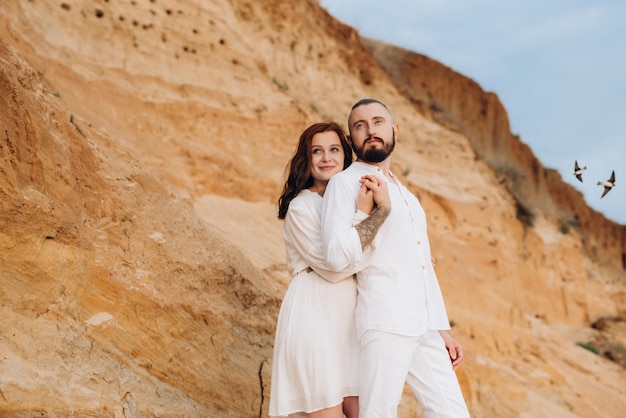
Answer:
(455, 351)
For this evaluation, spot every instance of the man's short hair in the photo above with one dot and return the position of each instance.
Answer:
(367, 101)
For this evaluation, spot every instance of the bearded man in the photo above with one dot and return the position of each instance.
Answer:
(400, 314)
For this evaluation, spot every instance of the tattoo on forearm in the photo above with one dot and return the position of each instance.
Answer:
(368, 228)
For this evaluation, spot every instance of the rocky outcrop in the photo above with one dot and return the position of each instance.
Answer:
(116, 298)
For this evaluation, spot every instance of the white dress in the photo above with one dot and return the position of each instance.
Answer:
(315, 349)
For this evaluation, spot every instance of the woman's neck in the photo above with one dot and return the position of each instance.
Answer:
(319, 187)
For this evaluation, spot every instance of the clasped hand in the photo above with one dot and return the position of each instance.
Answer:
(373, 194)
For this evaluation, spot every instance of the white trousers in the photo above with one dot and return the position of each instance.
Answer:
(389, 360)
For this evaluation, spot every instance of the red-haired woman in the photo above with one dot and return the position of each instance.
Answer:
(314, 370)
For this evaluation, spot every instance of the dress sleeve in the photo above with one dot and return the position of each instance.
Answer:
(302, 231)
(340, 239)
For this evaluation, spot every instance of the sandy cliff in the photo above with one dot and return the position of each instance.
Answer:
(143, 145)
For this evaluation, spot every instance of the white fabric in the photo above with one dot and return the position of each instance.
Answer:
(303, 242)
(315, 359)
(398, 291)
(388, 359)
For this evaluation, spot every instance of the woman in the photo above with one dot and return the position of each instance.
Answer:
(314, 370)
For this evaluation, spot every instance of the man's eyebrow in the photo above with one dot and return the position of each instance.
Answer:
(357, 121)
(373, 118)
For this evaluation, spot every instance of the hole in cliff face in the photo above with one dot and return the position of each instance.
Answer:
(99, 13)
(524, 214)
(366, 76)
(435, 107)
(65, 6)
(624, 261)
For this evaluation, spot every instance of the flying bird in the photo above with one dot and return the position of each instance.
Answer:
(608, 185)
(578, 172)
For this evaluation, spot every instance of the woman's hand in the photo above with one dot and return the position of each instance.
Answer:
(365, 202)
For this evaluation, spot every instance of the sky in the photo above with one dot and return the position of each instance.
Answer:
(558, 67)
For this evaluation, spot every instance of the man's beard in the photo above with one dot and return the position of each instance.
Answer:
(376, 154)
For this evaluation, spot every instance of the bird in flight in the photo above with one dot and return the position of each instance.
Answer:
(608, 185)
(578, 172)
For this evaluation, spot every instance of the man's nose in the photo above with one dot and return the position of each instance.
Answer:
(370, 129)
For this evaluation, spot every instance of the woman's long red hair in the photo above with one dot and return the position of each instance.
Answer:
(299, 174)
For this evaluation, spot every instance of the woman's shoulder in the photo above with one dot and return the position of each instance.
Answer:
(305, 200)
(306, 197)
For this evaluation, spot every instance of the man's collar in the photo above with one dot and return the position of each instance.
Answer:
(371, 167)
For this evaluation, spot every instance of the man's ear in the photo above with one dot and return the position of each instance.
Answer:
(396, 129)
(349, 138)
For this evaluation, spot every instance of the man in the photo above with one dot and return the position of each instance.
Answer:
(400, 315)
